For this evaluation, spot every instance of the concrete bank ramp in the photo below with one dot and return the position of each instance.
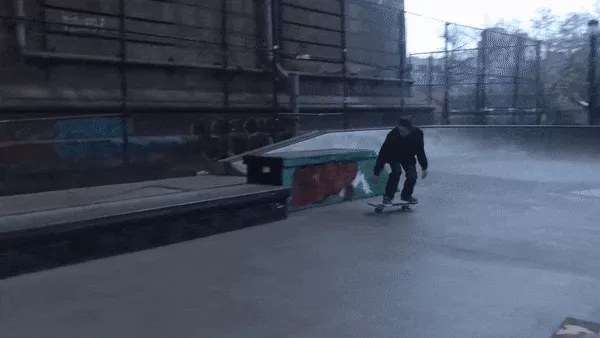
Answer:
(499, 151)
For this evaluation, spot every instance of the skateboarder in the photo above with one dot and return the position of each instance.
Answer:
(399, 149)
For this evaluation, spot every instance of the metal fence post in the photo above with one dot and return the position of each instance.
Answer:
(445, 111)
(539, 85)
(593, 81)
(430, 80)
(124, 84)
(402, 66)
(478, 104)
(482, 73)
(515, 99)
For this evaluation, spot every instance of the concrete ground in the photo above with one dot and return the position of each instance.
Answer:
(503, 247)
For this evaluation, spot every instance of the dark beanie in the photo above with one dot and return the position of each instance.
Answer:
(405, 122)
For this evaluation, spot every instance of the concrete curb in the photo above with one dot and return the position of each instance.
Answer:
(31, 250)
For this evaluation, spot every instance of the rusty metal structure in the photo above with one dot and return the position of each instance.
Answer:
(219, 77)
(282, 56)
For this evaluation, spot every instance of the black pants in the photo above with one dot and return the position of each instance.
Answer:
(394, 179)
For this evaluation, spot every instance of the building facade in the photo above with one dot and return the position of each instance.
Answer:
(224, 75)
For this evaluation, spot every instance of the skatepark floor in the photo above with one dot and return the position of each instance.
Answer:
(485, 254)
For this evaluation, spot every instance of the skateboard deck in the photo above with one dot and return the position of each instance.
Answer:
(404, 206)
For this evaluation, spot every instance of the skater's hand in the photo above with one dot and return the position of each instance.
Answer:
(424, 174)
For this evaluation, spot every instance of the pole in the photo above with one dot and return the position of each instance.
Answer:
(538, 80)
(402, 65)
(275, 50)
(294, 94)
(344, 60)
(44, 31)
(482, 95)
(225, 52)
(445, 111)
(515, 99)
(593, 92)
(124, 84)
(430, 81)
(478, 83)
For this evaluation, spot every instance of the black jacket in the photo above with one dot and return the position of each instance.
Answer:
(401, 149)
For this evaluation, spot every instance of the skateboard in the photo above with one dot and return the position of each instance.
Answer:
(404, 206)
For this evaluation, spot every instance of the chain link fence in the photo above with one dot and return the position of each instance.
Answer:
(482, 76)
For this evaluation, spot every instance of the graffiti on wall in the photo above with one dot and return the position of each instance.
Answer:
(317, 184)
(97, 141)
(361, 181)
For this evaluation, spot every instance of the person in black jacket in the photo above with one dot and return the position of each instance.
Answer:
(399, 149)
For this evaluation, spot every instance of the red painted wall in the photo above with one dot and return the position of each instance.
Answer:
(316, 184)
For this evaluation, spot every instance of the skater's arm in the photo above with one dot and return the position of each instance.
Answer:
(421, 157)
(382, 156)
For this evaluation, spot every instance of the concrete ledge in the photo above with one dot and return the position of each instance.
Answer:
(32, 248)
(227, 166)
(318, 177)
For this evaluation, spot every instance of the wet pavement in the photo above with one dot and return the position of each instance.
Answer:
(501, 248)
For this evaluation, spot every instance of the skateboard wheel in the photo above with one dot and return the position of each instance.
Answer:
(405, 208)
(378, 210)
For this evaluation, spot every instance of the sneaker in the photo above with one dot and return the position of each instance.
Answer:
(410, 199)
(386, 201)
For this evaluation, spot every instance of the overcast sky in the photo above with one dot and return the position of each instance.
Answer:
(422, 34)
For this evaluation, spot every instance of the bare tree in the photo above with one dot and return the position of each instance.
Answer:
(564, 62)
